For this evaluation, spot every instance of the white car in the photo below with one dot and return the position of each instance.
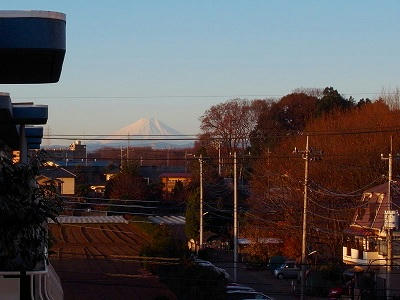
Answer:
(207, 264)
(237, 287)
(242, 295)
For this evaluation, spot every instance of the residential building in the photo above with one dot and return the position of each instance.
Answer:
(152, 173)
(169, 180)
(75, 154)
(63, 179)
(366, 238)
(366, 244)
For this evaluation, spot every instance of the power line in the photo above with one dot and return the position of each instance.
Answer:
(124, 135)
(233, 96)
(296, 132)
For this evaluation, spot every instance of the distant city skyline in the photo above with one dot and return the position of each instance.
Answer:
(140, 59)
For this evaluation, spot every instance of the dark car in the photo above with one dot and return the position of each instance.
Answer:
(275, 262)
(287, 270)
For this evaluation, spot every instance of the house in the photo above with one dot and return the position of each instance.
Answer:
(365, 241)
(94, 177)
(62, 178)
(366, 244)
(169, 180)
(152, 173)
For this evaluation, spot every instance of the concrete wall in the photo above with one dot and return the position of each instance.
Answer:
(68, 186)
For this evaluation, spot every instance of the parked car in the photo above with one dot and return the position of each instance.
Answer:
(242, 295)
(335, 293)
(287, 270)
(275, 262)
(207, 264)
(238, 287)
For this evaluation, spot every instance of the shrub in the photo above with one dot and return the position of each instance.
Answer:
(24, 210)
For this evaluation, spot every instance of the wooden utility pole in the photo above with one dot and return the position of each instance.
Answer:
(219, 158)
(304, 237)
(127, 152)
(235, 220)
(390, 217)
(307, 155)
(201, 202)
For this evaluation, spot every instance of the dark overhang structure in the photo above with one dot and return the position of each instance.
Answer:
(32, 46)
(14, 118)
(28, 113)
(34, 135)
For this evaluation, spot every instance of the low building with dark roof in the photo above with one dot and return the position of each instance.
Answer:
(62, 178)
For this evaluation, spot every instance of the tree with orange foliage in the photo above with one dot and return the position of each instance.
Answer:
(289, 114)
(352, 141)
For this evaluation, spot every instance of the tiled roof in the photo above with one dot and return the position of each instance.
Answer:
(90, 219)
(170, 220)
(56, 172)
(375, 200)
(177, 175)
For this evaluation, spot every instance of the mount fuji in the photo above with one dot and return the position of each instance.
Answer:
(145, 132)
(147, 127)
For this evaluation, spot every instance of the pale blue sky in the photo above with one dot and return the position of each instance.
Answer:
(197, 48)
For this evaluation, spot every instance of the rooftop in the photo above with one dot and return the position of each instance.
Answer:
(44, 14)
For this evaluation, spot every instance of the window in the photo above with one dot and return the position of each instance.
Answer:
(382, 247)
(396, 247)
(372, 210)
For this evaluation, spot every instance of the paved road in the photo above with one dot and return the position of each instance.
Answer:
(262, 281)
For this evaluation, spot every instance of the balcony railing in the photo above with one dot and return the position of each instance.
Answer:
(358, 256)
(44, 284)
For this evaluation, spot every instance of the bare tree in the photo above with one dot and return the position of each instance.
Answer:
(391, 97)
(231, 122)
(313, 92)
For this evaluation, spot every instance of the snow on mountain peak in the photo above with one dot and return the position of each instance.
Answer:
(149, 127)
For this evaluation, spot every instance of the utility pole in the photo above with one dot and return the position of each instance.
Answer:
(201, 202)
(268, 170)
(127, 152)
(120, 167)
(304, 237)
(219, 158)
(235, 221)
(168, 157)
(390, 222)
(185, 163)
(307, 154)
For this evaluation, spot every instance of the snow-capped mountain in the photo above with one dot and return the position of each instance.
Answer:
(147, 127)
(148, 130)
